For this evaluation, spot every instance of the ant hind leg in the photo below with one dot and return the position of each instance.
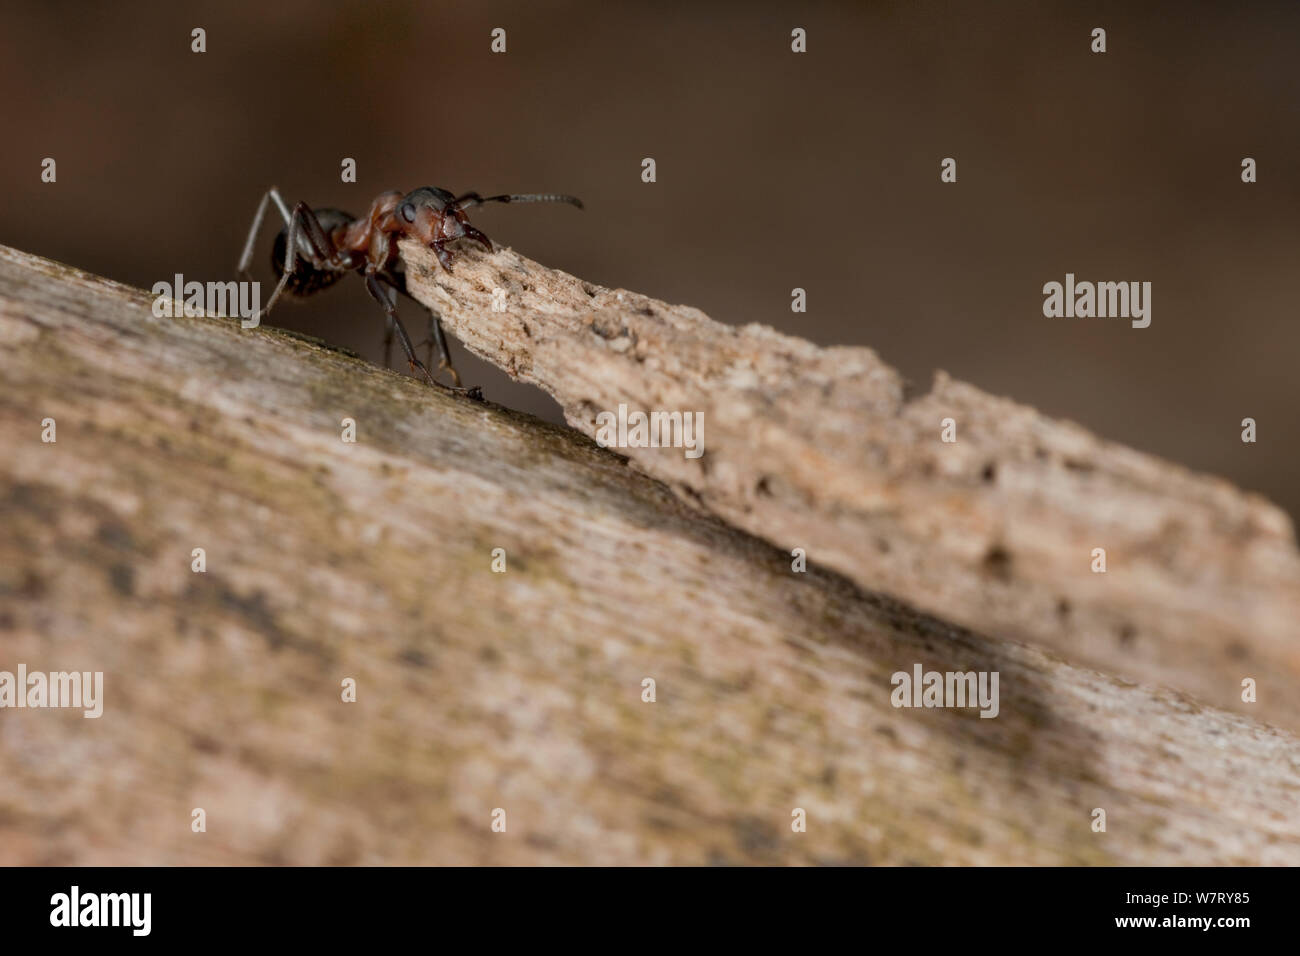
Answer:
(250, 244)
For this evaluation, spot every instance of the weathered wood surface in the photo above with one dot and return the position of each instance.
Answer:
(519, 690)
(818, 448)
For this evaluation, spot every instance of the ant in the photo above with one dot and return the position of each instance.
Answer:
(316, 248)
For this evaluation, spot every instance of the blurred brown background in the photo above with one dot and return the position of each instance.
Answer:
(775, 170)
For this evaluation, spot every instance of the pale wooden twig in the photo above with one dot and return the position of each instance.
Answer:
(817, 448)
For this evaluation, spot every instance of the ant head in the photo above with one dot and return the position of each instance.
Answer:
(433, 216)
(436, 217)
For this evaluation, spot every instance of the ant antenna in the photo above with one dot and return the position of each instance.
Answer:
(474, 199)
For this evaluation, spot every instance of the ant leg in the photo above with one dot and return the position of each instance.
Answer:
(439, 338)
(386, 296)
(314, 238)
(380, 294)
(306, 239)
(436, 337)
(445, 258)
(428, 352)
(388, 341)
(246, 258)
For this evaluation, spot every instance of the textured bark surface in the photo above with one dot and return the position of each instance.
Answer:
(817, 448)
(521, 690)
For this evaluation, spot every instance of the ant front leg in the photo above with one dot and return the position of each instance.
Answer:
(386, 296)
(446, 258)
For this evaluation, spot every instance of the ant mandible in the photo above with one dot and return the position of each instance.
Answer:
(316, 248)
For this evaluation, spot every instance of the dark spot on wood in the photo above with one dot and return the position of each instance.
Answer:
(33, 585)
(489, 654)
(756, 836)
(115, 535)
(258, 615)
(1062, 608)
(997, 562)
(1075, 464)
(205, 744)
(763, 489)
(122, 577)
(34, 500)
(1127, 635)
(1237, 650)
(413, 656)
(883, 546)
(606, 328)
(990, 472)
(669, 796)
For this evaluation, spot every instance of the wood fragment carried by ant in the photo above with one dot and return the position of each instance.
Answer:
(316, 248)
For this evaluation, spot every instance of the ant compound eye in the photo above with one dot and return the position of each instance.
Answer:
(407, 211)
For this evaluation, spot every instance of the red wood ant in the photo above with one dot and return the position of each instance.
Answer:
(316, 248)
